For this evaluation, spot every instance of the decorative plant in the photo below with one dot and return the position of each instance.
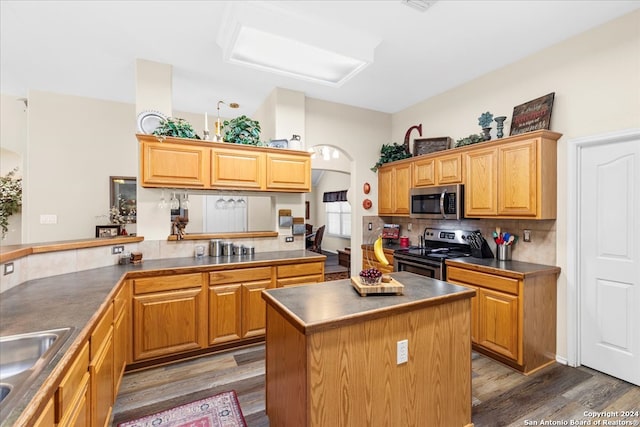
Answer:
(390, 153)
(179, 128)
(242, 130)
(485, 120)
(10, 198)
(471, 139)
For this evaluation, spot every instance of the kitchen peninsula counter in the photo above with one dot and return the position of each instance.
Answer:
(76, 300)
(332, 355)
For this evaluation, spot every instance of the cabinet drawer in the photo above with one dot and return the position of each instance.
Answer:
(300, 280)
(239, 276)
(166, 283)
(485, 280)
(72, 381)
(300, 269)
(99, 334)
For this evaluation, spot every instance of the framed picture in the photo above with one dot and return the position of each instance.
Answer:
(112, 230)
(532, 115)
(123, 196)
(430, 145)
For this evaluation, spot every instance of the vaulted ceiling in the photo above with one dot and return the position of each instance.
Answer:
(89, 48)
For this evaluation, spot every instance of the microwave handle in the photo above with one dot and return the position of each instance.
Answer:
(442, 204)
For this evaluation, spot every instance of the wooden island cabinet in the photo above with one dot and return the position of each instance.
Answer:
(331, 355)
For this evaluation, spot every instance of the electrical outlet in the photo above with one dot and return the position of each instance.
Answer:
(402, 352)
(526, 235)
(8, 268)
(288, 239)
(117, 250)
(409, 227)
(48, 219)
(370, 226)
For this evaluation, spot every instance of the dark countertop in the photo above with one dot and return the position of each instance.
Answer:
(75, 300)
(314, 308)
(515, 269)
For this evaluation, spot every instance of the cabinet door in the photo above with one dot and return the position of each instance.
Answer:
(402, 188)
(225, 322)
(254, 310)
(385, 191)
(47, 417)
(517, 180)
(498, 314)
(101, 369)
(79, 414)
(449, 169)
(394, 184)
(120, 346)
(72, 385)
(481, 190)
(288, 172)
(236, 169)
(174, 165)
(424, 172)
(167, 323)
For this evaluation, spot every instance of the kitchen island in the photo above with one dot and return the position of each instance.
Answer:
(332, 359)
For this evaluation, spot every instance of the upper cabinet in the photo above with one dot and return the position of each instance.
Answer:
(194, 164)
(440, 170)
(513, 178)
(174, 165)
(394, 185)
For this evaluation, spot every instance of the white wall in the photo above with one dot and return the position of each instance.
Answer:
(596, 80)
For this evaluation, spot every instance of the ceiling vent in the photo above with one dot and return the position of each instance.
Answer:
(420, 5)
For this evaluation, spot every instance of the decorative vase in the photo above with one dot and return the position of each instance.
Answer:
(486, 133)
(500, 121)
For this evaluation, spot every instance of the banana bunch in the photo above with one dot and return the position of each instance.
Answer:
(379, 252)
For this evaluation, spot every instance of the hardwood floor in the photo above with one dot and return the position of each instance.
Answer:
(501, 396)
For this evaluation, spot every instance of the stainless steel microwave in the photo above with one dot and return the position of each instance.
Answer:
(446, 202)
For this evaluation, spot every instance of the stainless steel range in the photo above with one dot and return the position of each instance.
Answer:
(435, 247)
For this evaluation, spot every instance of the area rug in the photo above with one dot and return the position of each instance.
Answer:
(221, 410)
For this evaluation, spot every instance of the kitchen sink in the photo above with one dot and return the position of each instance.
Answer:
(22, 357)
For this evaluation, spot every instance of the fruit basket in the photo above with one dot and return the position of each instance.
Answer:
(370, 277)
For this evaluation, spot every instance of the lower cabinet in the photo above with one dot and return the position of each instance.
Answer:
(236, 309)
(47, 417)
(121, 335)
(513, 319)
(169, 315)
(101, 370)
(73, 395)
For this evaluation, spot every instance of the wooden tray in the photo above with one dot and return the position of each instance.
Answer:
(394, 287)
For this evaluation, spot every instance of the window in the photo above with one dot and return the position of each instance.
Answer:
(338, 219)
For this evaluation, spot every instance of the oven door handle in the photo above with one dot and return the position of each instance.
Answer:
(442, 204)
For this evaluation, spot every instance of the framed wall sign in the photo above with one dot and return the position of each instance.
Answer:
(532, 115)
(430, 145)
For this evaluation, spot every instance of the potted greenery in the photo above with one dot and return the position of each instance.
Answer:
(179, 128)
(242, 130)
(10, 198)
(390, 153)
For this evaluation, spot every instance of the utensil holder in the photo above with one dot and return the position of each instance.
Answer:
(504, 253)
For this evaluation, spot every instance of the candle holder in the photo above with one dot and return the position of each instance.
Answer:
(205, 135)
(500, 121)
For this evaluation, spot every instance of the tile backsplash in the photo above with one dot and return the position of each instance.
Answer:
(541, 249)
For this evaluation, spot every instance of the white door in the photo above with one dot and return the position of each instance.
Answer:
(609, 272)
